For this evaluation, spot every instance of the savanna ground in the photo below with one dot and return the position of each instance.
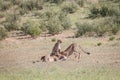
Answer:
(17, 55)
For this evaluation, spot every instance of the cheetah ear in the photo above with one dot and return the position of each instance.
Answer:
(59, 40)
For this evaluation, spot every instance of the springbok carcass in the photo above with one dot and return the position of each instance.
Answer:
(49, 58)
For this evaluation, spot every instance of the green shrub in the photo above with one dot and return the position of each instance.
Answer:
(116, 1)
(10, 26)
(26, 5)
(111, 11)
(4, 5)
(31, 29)
(55, 1)
(65, 21)
(94, 12)
(69, 7)
(66, 24)
(111, 38)
(38, 14)
(55, 22)
(99, 44)
(43, 25)
(15, 2)
(111, 25)
(22, 11)
(107, 10)
(11, 22)
(54, 26)
(116, 19)
(31, 5)
(100, 30)
(3, 33)
(80, 2)
(53, 39)
(115, 28)
(49, 14)
(83, 29)
(104, 11)
(2, 15)
(12, 17)
(97, 29)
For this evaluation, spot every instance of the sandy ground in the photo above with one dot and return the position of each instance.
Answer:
(18, 53)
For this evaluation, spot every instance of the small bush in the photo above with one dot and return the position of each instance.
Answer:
(11, 22)
(3, 33)
(65, 21)
(110, 26)
(31, 29)
(55, 1)
(43, 25)
(104, 11)
(53, 39)
(15, 2)
(26, 5)
(80, 2)
(2, 15)
(55, 22)
(12, 17)
(99, 44)
(94, 12)
(48, 14)
(38, 14)
(31, 5)
(10, 26)
(52, 21)
(54, 26)
(115, 28)
(116, 19)
(97, 29)
(100, 30)
(23, 11)
(66, 24)
(111, 38)
(83, 29)
(69, 7)
(4, 5)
